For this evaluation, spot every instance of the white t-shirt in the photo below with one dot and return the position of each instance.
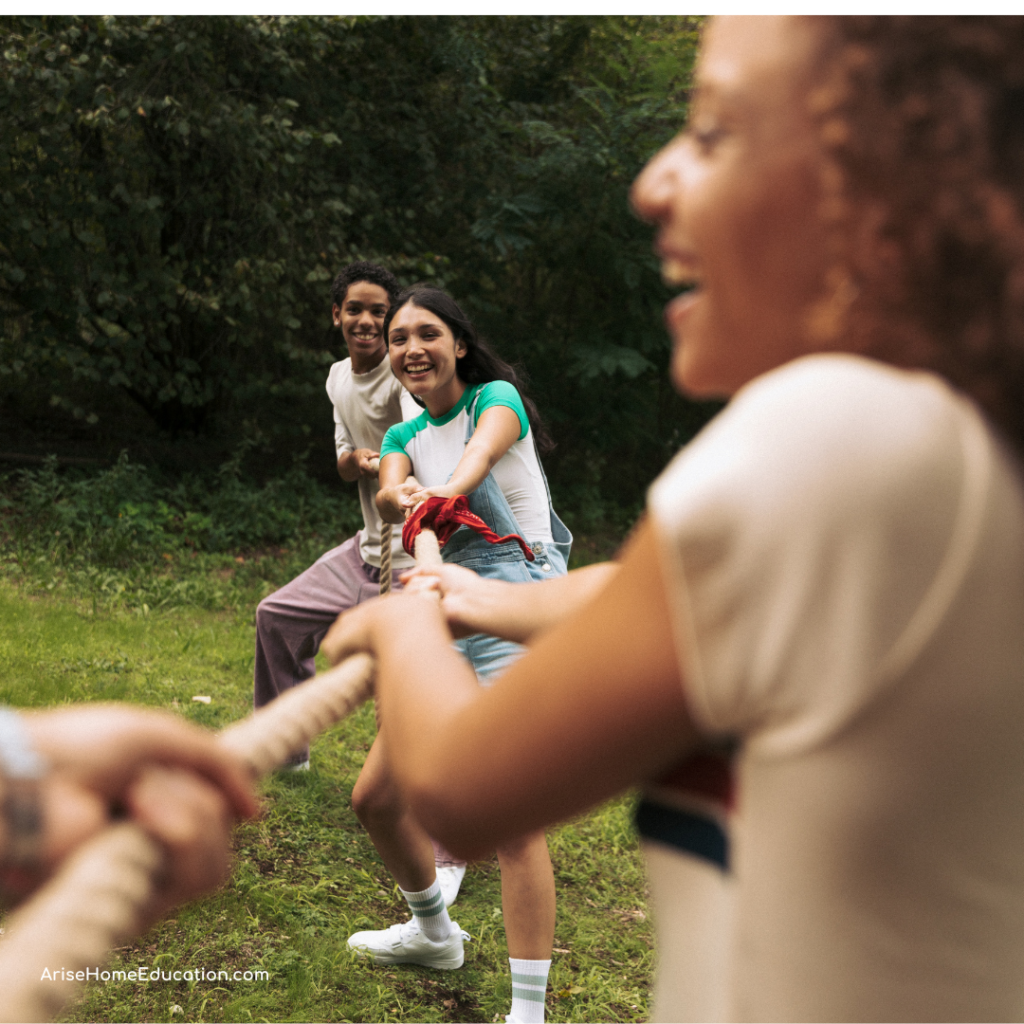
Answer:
(435, 447)
(365, 405)
(683, 820)
(844, 560)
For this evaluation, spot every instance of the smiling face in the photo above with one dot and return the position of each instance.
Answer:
(361, 319)
(736, 198)
(423, 354)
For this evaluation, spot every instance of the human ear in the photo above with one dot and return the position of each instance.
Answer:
(336, 314)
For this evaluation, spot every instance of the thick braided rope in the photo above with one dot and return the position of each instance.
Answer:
(385, 548)
(385, 559)
(96, 900)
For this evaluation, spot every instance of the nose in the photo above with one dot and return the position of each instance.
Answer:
(366, 319)
(658, 183)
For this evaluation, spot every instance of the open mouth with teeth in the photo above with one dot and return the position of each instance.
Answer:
(417, 371)
(677, 273)
(366, 338)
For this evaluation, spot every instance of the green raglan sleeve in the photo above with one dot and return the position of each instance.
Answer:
(500, 392)
(396, 439)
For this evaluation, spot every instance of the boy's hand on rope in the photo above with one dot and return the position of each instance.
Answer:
(367, 462)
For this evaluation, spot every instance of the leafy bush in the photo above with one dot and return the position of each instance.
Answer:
(123, 516)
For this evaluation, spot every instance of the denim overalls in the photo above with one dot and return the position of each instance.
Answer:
(488, 655)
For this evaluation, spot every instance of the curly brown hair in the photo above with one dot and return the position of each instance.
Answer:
(922, 121)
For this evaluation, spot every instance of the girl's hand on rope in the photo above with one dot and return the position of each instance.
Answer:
(419, 496)
(398, 499)
(105, 747)
(101, 754)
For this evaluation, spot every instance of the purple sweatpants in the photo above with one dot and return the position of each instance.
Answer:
(292, 621)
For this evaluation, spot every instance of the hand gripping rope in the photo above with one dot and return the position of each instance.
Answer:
(96, 900)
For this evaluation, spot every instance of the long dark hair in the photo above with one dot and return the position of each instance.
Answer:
(481, 364)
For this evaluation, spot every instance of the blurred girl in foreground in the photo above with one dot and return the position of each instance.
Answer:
(832, 574)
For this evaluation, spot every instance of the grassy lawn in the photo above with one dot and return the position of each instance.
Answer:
(306, 874)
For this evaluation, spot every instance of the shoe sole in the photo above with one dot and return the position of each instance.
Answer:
(386, 961)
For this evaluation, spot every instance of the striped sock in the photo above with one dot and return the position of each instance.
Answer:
(430, 912)
(529, 983)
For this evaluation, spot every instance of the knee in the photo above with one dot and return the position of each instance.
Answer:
(266, 615)
(374, 803)
(524, 848)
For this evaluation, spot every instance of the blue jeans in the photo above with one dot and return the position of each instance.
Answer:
(489, 655)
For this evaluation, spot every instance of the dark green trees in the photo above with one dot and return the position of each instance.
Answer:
(176, 194)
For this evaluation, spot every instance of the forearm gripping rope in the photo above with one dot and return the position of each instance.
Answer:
(98, 898)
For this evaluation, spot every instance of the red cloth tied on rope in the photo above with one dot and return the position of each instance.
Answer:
(444, 516)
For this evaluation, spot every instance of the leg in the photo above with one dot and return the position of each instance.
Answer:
(528, 897)
(430, 938)
(450, 872)
(528, 902)
(404, 847)
(291, 622)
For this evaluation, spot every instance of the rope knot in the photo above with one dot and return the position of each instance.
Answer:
(444, 516)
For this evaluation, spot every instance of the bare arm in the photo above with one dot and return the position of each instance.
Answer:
(473, 604)
(496, 431)
(354, 464)
(396, 484)
(596, 705)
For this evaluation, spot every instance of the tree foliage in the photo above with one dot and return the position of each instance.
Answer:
(177, 193)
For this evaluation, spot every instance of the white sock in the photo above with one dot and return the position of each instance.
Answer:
(529, 983)
(430, 912)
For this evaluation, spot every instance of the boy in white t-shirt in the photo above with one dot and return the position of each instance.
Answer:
(367, 399)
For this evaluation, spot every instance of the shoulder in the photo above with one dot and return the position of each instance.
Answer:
(400, 435)
(338, 377)
(500, 392)
(803, 530)
(841, 430)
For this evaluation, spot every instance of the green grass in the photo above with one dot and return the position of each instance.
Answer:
(306, 874)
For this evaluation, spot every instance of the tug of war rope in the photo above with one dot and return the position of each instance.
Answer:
(98, 898)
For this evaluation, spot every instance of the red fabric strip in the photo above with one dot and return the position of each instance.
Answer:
(444, 516)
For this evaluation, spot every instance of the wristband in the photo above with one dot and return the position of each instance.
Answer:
(22, 769)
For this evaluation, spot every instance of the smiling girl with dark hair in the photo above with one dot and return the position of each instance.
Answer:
(475, 438)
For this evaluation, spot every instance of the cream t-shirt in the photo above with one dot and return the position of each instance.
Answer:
(844, 560)
(365, 405)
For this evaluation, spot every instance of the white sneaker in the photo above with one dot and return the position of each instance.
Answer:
(301, 766)
(450, 878)
(406, 944)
